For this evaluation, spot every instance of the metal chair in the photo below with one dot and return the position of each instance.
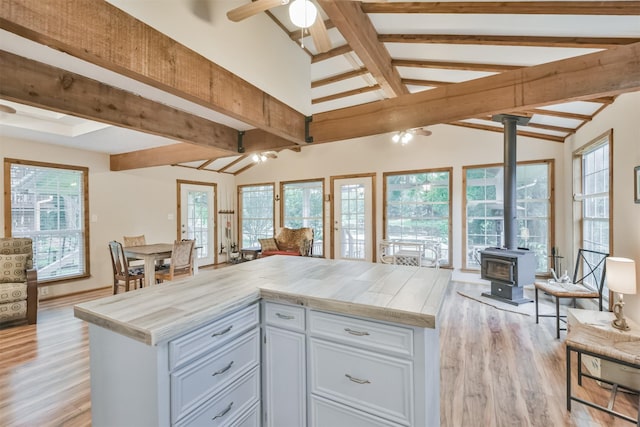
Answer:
(122, 272)
(588, 285)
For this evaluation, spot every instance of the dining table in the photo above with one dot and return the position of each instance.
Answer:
(150, 254)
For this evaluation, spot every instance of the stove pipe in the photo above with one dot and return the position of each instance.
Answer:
(510, 212)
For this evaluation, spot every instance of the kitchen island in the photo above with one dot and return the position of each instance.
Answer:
(259, 343)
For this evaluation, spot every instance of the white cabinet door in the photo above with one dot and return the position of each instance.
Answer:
(285, 378)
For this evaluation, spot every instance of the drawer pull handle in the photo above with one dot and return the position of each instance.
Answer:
(224, 412)
(357, 380)
(356, 333)
(217, 334)
(223, 370)
(285, 316)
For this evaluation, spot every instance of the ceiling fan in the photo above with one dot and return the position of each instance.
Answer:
(303, 14)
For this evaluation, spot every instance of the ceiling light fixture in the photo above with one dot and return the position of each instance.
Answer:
(402, 137)
(7, 109)
(263, 157)
(303, 13)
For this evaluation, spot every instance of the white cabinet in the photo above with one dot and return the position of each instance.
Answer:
(285, 388)
(209, 376)
(360, 372)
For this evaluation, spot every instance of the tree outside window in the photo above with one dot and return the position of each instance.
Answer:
(256, 213)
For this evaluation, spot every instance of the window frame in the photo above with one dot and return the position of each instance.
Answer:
(385, 219)
(552, 206)
(240, 189)
(282, 197)
(8, 163)
(601, 140)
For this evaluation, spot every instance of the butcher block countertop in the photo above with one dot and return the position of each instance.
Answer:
(406, 295)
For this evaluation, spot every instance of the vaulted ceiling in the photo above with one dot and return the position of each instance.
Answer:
(389, 66)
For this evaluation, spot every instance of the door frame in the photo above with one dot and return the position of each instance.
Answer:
(332, 179)
(179, 183)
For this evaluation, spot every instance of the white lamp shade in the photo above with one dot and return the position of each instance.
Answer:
(302, 13)
(621, 275)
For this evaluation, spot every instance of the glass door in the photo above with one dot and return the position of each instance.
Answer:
(353, 218)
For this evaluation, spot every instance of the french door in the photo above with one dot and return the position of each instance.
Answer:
(197, 219)
(352, 217)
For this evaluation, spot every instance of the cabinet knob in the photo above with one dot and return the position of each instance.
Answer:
(223, 370)
(285, 316)
(217, 334)
(224, 412)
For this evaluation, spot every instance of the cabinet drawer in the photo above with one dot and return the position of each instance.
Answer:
(363, 333)
(284, 316)
(327, 413)
(377, 384)
(250, 419)
(224, 409)
(205, 339)
(195, 383)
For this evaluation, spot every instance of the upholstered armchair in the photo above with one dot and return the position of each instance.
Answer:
(18, 281)
(289, 241)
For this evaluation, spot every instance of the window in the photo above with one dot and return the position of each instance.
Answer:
(484, 201)
(592, 178)
(418, 209)
(302, 206)
(256, 213)
(48, 203)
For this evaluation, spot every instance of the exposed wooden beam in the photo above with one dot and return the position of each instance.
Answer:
(529, 7)
(232, 164)
(339, 77)
(361, 35)
(167, 155)
(345, 94)
(100, 33)
(40, 85)
(430, 83)
(605, 73)
(468, 39)
(501, 130)
(336, 51)
(450, 65)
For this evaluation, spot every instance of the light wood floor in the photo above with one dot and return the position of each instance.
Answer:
(497, 369)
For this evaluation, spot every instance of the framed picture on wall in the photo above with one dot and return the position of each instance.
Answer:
(636, 183)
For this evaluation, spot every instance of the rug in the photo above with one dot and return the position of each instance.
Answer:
(526, 309)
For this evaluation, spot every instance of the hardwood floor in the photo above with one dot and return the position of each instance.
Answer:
(497, 369)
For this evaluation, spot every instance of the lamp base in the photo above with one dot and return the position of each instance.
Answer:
(620, 324)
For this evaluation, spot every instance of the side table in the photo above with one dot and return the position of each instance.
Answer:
(590, 333)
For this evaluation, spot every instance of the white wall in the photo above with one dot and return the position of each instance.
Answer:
(448, 146)
(125, 203)
(623, 117)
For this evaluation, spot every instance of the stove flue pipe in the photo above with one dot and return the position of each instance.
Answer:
(510, 206)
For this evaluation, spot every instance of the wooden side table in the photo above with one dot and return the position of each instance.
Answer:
(590, 333)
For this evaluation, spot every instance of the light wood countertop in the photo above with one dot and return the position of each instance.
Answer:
(406, 295)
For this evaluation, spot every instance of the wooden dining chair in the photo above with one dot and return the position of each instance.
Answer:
(181, 264)
(587, 282)
(123, 274)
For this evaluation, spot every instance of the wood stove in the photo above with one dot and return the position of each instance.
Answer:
(509, 268)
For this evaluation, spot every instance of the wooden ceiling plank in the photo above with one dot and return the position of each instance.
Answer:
(360, 34)
(490, 40)
(100, 33)
(336, 51)
(490, 128)
(161, 156)
(345, 94)
(430, 83)
(606, 73)
(451, 65)
(40, 85)
(562, 114)
(339, 77)
(529, 7)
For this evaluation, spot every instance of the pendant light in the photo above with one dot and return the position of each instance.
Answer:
(303, 13)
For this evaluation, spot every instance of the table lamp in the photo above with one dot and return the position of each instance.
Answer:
(621, 278)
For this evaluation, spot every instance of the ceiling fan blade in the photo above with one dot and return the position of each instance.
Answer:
(320, 36)
(253, 8)
(422, 131)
